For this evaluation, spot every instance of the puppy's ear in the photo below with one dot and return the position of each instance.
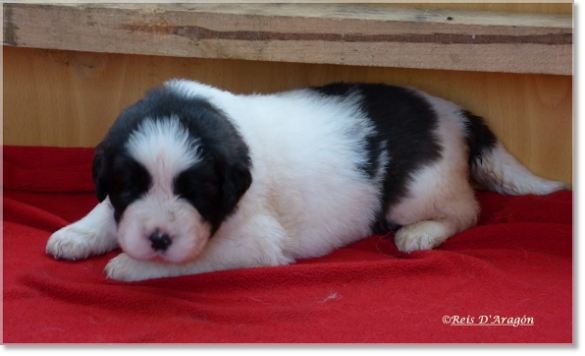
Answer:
(236, 179)
(99, 171)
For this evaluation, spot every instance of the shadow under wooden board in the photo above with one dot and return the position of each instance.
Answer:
(70, 98)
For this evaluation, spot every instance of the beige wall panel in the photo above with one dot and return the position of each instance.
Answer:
(69, 99)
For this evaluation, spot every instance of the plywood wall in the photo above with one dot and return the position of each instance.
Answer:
(69, 99)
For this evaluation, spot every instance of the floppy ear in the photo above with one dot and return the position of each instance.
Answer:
(99, 171)
(236, 179)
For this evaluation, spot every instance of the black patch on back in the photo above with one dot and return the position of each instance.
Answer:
(214, 185)
(405, 125)
(480, 139)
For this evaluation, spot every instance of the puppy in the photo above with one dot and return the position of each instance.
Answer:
(194, 179)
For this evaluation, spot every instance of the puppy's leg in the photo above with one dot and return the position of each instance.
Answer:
(261, 242)
(94, 234)
(438, 225)
(435, 218)
(440, 201)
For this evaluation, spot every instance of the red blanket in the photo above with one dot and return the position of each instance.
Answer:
(508, 280)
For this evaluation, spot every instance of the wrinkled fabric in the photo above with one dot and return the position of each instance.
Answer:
(507, 280)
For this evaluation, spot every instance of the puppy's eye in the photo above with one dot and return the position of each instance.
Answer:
(130, 194)
(196, 185)
(129, 181)
(189, 189)
(199, 151)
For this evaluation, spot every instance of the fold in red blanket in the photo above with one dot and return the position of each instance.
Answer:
(508, 280)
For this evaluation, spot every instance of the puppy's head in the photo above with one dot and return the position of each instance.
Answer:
(174, 168)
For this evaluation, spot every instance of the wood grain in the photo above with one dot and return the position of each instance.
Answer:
(349, 34)
(562, 7)
(70, 98)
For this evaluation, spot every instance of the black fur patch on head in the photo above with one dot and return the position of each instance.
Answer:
(131, 182)
(213, 186)
(405, 125)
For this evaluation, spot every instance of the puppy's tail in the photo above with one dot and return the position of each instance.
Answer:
(496, 169)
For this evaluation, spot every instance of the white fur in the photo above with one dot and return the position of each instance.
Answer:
(165, 149)
(501, 172)
(306, 198)
(294, 138)
(441, 202)
(93, 235)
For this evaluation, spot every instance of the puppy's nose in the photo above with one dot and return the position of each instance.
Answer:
(160, 242)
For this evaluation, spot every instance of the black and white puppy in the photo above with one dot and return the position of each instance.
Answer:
(194, 179)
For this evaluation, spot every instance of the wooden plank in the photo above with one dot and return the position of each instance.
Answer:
(559, 7)
(349, 34)
(70, 98)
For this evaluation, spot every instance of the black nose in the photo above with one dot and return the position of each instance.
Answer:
(160, 242)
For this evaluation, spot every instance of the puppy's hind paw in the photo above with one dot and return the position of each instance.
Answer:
(423, 235)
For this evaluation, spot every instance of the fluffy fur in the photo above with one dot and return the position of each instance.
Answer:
(194, 179)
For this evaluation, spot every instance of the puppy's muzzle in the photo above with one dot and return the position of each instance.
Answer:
(160, 241)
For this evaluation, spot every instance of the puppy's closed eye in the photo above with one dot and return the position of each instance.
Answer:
(130, 181)
(201, 187)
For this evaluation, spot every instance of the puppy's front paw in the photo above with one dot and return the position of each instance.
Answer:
(74, 243)
(125, 269)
